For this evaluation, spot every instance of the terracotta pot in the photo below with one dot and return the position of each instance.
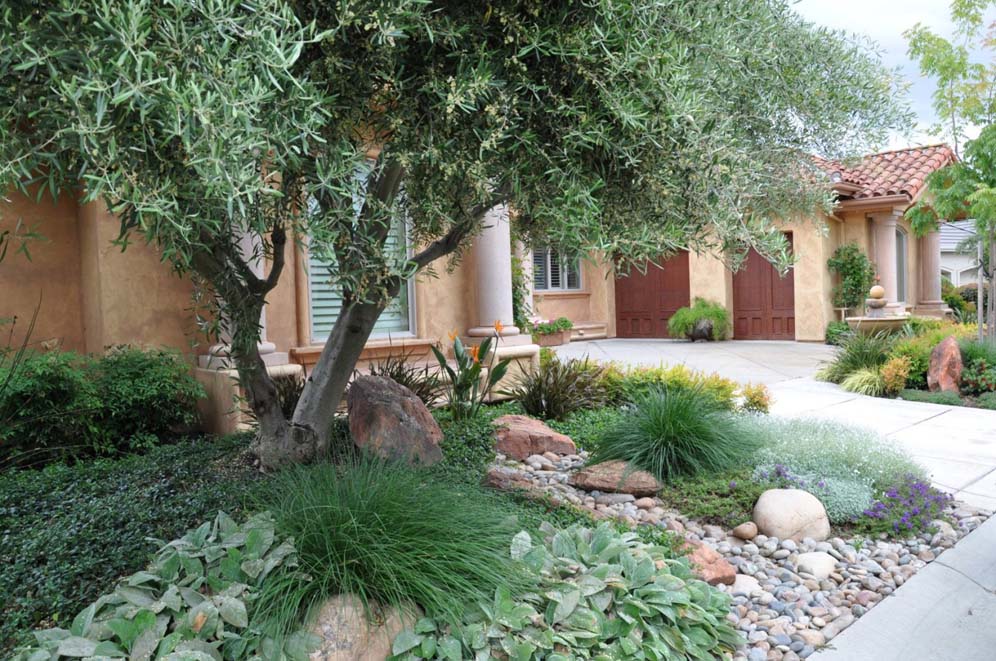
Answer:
(553, 339)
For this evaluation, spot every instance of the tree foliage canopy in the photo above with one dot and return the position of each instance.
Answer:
(629, 127)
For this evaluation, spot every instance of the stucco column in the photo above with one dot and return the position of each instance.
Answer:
(493, 273)
(930, 302)
(884, 228)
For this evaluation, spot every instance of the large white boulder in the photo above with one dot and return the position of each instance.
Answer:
(791, 514)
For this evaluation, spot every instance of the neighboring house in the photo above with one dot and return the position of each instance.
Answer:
(93, 295)
(961, 267)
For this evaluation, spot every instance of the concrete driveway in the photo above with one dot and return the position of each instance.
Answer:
(956, 444)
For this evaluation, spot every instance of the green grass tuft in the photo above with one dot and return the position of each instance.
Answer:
(389, 534)
(865, 381)
(672, 432)
(858, 351)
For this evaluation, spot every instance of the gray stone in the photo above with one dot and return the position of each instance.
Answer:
(791, 514)
(817, 563)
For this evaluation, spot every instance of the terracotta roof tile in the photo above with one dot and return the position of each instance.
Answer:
(897, 172)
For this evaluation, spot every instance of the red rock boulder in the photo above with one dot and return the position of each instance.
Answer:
(520, 436)
(945, 369)
(391, 421)
(615, 477)
(708, 564)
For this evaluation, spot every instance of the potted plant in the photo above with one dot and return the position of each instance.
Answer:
(552, 333)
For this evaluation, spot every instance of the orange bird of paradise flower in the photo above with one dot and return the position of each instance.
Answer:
(499, 327)
(452, 335)
(474, 351)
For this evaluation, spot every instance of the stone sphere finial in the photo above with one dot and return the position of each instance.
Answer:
(877, 291)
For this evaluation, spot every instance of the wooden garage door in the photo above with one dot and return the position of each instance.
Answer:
(763, 301)
(645, 302)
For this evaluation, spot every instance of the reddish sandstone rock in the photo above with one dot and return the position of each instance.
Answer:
(615, 477)
(708, 564)
(388, 419)
(944, 373)
(520, 436)
(506, 479)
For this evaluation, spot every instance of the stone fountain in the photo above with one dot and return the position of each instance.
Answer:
(876, 316)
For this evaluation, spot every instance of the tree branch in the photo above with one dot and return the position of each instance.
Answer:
(452, 239)
(279, 239)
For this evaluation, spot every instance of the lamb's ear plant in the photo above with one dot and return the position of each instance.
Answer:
(197, 601)
(600, 594)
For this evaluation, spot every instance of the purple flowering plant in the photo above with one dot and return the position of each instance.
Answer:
(907, 508)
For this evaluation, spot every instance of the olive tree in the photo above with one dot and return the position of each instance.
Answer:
(627, 128)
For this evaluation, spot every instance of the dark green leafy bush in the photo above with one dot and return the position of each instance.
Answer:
(147, 395)
(468, 444)
(67, 532)
(52, 407)
(672, 432)
(557, 325)
(978, 377)
(196, 600)
(855, 276)
(599, 594)
(973, 350)
(947, 398)
(559, 387)
(386, 533)
(64, 406)
(837, 332)
(986, 400)
(683, 320)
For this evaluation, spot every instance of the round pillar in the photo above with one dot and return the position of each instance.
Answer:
(493, 271)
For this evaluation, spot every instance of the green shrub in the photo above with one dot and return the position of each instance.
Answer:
(683, 320)
(421, 380)
(973, 350)
(725, 498)
(946, 398)
(629, 384)
(865, 381)
(986, 400)
(921, 325)
(587, 426)
(69, 531)
(837, 332)
(918, 347)
(386, 533)
(555, 390)
(978, 377)
(825, 449)
(553, 326)
(598, 594)
(64, 406)
(855, 276)
(895, 372)
(859, 351)
(147, 395)
(677, 431)
(951, 296)
(198, 594)
(970, 293)
(53, 408)
(468, 444)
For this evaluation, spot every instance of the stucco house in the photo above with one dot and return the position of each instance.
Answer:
(93, 295)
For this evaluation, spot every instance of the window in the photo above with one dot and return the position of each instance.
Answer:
(901, 261)
(325, 296)
(554, 271)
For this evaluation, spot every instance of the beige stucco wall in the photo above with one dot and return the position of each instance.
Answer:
(812, 244)
(709, 278)
(51, 276)
(595, 302)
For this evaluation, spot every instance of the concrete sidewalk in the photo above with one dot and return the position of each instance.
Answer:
(945, 613)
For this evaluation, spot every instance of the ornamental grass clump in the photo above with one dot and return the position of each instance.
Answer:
(859, 351)
(825, 449)
(599, 594)
(672, 432)
(389, 534)
(559, 387)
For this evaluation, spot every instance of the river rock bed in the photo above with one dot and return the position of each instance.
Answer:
(789, 597)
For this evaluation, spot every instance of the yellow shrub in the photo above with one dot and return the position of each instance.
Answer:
(894, 372)
(626, 383)
(756, 398)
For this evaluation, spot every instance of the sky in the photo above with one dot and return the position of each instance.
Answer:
(884, 21)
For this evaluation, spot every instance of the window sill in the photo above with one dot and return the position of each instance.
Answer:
(579, 293)
(373, 349)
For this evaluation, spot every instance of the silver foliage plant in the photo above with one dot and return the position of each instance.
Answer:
(599, 594)
(193, 603)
